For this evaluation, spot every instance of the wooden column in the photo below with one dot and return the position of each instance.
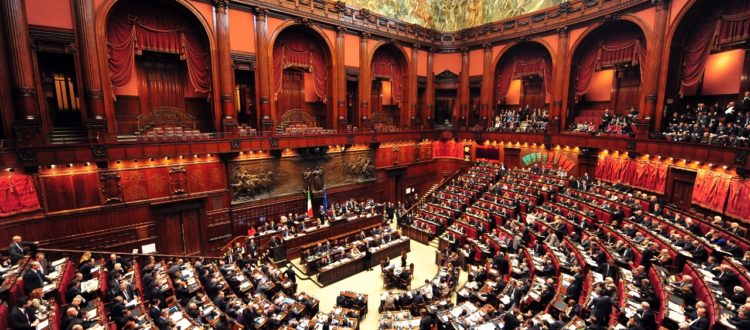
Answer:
(661, 21)
(262, 73)
(412, 120)
(559, 93)
(226, 69)
(428, 112)
(485, 95)
(340, 120)
(651, 70)
(92, 80)
(463, 90)
(365, 82)
(28, 122)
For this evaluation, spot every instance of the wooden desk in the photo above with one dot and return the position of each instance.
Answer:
(351, 267)
(416, 234)
(294, 244)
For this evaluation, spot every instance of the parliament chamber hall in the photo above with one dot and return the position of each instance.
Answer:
(375, 164)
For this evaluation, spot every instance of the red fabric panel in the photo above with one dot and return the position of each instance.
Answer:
(739, 195)
(448, 149)
(623, 46)
(19, 195)
(133, 27)
(710, 190)
(637, 173)
(302, 51)
(385, 64)
(523, 62)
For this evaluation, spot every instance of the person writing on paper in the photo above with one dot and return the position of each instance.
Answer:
(22, 316)
(15, 250)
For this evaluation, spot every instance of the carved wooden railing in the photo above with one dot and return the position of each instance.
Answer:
(381, 118)
(165, 116)
(297, 116)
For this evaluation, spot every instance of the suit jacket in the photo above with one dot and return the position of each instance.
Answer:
(154, 312)
(21, 320)
(728, 281)
(702, 324)
(33, 280)
(608, 271)
(601, 308)
(647, 319)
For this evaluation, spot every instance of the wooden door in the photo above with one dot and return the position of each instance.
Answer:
(179, 229)
(169, 227)
(628, 86)
(161, 82)
(533, 93)
(191, 231)
(682, 194)
(292, 91)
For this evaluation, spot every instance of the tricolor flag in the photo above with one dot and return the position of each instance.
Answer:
(309, 205)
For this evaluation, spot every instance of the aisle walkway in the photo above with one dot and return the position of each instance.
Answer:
(371, 283)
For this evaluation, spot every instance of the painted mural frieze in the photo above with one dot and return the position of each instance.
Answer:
(452, 15)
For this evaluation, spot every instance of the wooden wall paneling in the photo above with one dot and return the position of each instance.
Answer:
(86, 189)
(157, 182)
(512, 157)
(59, 192)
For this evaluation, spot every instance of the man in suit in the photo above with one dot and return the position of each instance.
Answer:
(33, 278)
(290, 274)
(601, 308)
(114, 259)
(701, 322)
(609, 269)
(647, 256)
(22, 316)
(426, 322)
(154, 311)
(16, 251)
(572, 310)
(125, 291)
(728, 279)
(646, 317)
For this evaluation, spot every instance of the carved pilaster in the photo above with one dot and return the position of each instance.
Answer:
(92, 83)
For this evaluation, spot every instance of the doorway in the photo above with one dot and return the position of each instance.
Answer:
(179, 228)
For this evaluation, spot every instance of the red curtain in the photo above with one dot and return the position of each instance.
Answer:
(739, 195)
(134, 27)
(301, 51)
(641, 174)
(524, 62)
(19, 195)
(730, 25)
(385, 64)
(710, 190)
(448, 149)
(623, 46)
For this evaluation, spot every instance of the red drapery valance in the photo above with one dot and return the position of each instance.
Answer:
(386, 65)
(642, 174)
(300, 51)
(625, 46)
(135, 27)
(19, 195)
(739, 195)
(711, 32)
(524, 63)
(710, 190)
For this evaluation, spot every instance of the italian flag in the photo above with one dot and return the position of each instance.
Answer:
(309, 205)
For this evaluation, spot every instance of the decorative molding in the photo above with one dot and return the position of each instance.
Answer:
(178, 180)
(26, 155)
(99, 151)
(235, 144)
(111, 188)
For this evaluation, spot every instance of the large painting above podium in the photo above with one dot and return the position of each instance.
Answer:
(452, 15)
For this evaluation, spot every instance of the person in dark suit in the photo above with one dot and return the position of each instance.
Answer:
(290, 274)
(609, 269)
(646, 317)
(558, 324)
(15, 250)
(647, 256)
(727, 279)
(601, 308)
(22, 316)
(33, 278)
(633, 324)
(572, 310)
(154, 311)
(426, 322)
(86, 267)
(742, 321)
(701, 322)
